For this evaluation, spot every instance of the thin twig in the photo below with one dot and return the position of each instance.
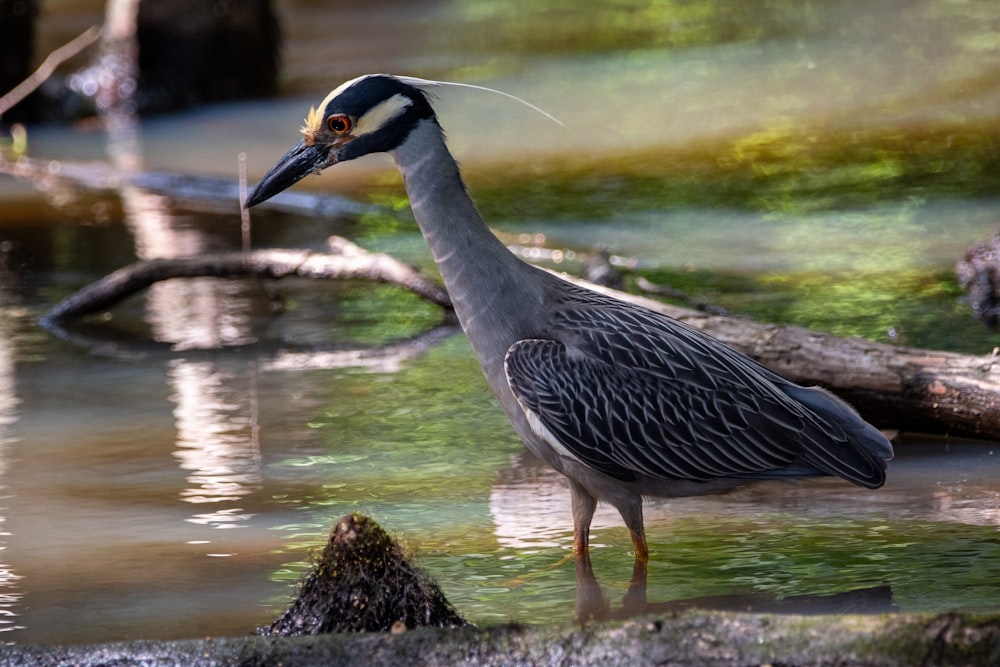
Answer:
(244, 212)
(48, 66)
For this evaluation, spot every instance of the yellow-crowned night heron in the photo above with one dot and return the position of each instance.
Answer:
(623, 401)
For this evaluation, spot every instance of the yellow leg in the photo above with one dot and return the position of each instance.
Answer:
(639, 542)
(584, 506)
(632, 515)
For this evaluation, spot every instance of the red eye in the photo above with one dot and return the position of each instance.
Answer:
(339, 124)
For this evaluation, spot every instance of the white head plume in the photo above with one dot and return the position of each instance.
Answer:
(430, 83)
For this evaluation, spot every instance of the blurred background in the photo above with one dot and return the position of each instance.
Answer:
(168, 467)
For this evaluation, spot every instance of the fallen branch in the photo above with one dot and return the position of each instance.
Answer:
(346, 264)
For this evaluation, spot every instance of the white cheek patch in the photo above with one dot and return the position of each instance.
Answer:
(380, 114)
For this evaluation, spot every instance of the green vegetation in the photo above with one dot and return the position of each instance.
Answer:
(559, 26)
(791, 170)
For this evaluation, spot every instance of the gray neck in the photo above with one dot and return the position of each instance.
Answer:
(494, 302)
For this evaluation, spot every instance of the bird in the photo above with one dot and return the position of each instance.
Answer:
(625, 402)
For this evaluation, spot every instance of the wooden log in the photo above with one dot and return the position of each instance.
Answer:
(894, 387)
(696, 639)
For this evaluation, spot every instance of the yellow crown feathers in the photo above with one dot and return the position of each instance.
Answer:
(312, 124)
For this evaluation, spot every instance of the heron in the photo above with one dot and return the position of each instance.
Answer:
(625, 402)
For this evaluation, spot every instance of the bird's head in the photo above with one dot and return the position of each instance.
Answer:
(374, 113)
(370, 114)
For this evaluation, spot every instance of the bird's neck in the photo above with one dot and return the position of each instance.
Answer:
(485, 280)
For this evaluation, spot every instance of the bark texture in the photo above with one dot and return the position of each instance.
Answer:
(695, 639)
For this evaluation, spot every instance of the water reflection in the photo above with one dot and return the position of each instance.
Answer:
(390, 358)
(924, 542)
(10, 594)
(217, 439)
(215, 409)
(530, 507)
(592, 604)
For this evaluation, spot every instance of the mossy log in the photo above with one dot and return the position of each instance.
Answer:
(709, 639)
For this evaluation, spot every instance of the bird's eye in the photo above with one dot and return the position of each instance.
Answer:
(339, 124)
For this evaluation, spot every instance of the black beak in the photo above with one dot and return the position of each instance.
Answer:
(293, 167)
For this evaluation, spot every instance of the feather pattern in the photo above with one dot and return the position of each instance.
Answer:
(633, 393)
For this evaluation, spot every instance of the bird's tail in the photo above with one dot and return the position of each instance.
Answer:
(863, 458)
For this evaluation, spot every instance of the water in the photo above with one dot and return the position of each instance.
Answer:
(168, 469)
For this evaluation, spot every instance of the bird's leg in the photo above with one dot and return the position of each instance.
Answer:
(632, 515)
(639, 542)
(584, 506)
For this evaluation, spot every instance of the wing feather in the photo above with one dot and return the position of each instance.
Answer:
(630, 392)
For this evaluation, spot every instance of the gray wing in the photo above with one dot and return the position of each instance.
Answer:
(629, 392)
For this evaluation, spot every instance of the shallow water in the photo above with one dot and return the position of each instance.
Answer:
(167, 469)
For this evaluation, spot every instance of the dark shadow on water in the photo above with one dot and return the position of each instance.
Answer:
(108, 340)
(593, 605)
